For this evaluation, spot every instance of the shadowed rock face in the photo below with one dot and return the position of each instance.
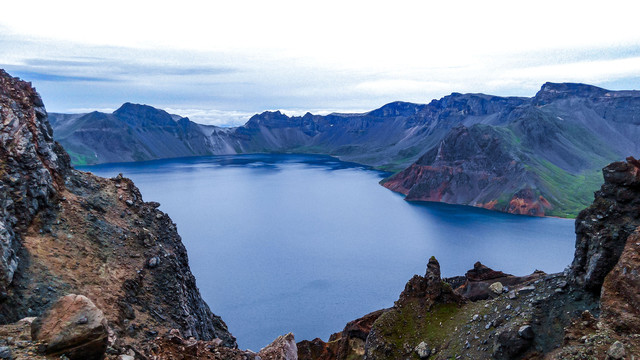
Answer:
(603, 228)
(64, 231)
(32, 168)
(348, 344)
(620, 300)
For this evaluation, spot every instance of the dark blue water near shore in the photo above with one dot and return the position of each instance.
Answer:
(306, 243)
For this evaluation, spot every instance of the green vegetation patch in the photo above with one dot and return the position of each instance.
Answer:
(412, 324)
(78, 158)
(570, 193)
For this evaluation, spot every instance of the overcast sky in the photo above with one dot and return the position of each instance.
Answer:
(218, 62)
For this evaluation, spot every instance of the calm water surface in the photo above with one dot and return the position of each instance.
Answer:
(306, 243)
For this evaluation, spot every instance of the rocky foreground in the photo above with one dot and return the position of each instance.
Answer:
(88, 270)
(591, 311)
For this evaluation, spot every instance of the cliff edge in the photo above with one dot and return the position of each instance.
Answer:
(63, 231)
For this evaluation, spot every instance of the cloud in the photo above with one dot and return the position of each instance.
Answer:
(212, 116)
(40, 76)
(357, 65)
(400, 86)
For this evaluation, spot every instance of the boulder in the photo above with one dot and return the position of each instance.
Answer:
(73, 326)
(423, 350)
(282, 348)
(509, 344)
(5, 352)
(526, 332)
(616, 351)
(496, 288)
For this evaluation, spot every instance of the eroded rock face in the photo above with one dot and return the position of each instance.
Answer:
(32, 166)
(65, 231)
(348, 344)
(429, 288)
(282, 348)
(473, 166)
(73, 326)
(603, 228)
(424, 298)
(478, 281)
(620, 298)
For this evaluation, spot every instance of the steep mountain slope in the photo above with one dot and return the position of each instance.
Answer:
(536, 156)
(554, 145)
(133, 133)
(68, 232)
(390, 137)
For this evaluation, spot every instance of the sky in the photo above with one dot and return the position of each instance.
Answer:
(219, 62)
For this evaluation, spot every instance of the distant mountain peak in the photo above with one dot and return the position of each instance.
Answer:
(554, 91)
(397, 108)
(139, 114)
(131, 107)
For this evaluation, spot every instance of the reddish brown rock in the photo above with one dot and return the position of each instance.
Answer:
(348, 344)
(73, 326)
(473, 166)
(429, 289)
(173, 346)
(317, 349)
(603, 228)
(479, 279)
(65, 231)
(620, 301)
(526, 202)
(482, 272)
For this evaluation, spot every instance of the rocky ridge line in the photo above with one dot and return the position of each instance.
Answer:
(64, 231)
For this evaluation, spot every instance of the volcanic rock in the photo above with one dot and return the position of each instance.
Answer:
(603, 228)
(616, 351)
(479, 280)
(32, 168)
(62, 229)
(282, 348)
(423, 350)
(73, 326)
(620, 299)
(510, 344)
(496, 288)
(347, 344)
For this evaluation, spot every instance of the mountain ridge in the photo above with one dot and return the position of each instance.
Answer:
(563, 135)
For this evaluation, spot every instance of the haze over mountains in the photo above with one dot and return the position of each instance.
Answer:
(535, 156)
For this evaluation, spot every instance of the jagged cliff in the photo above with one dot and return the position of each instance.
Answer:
(588, 312)
(64, 231)
(543, 160)
(474, 166)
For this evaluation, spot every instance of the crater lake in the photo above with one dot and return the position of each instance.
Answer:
(306, 243)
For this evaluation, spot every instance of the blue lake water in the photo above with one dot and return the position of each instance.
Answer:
(305, 243)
